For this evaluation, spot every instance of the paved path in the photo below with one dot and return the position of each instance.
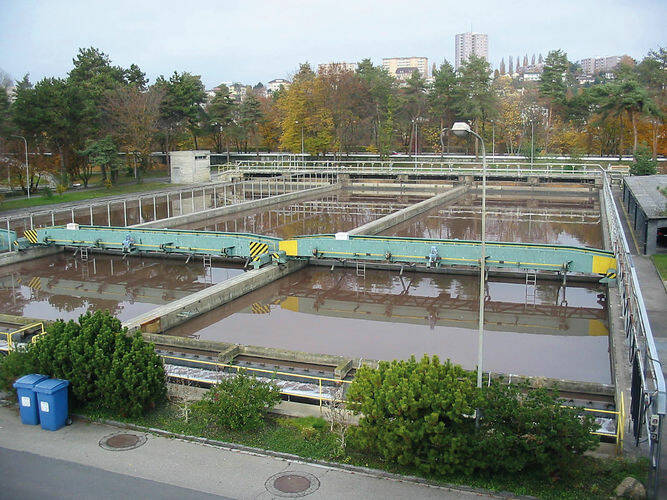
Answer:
(655, 300)
(163, 467)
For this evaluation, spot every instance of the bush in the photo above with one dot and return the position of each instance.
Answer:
(525, 428)
(48, 192)
(644, 164)
(240, 402)
(307, 427)
(421, 414)
(415, 413)
(105, 366)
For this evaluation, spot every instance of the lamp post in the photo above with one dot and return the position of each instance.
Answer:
(461, 129)
(493, 140)
(297, 123)
(27, 167)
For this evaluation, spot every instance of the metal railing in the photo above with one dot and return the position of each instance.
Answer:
(10, 335)
(648, 404)
(452, 167)
(216, 366)
(159, 205)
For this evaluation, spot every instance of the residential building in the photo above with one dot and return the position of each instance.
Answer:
(593, 65)
(402, 68)
(341, 66)
(467, 44)
(531, 77)
(275, 85)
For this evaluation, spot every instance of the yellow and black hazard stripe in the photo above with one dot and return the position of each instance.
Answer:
(259, 308)
(35, 283)
(257, 249)
(31, 235)
(611, 275)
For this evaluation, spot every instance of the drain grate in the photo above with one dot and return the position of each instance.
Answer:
(122, 441)
(292, 484)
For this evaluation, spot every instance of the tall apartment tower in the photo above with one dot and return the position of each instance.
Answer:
(470, 43)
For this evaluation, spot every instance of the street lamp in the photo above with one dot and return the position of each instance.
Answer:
(461, 129)
(27, 167)
(302, 157)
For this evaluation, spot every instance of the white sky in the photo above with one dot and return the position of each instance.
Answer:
(253, 41)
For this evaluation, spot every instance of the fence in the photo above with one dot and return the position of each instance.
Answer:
(648, 403)
(516, 169)
(155, 206)
(9, 336)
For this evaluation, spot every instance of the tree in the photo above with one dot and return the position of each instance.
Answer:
(525, 61)
(441, 95)
(220, 113)
(502, 66)
(552, 85)
(184, 95)
(511, 66)
(103, 153)
(643, 163)
(249, 116)
(380, 104)
(474, 96)
(133, 120)
(532, 61)
(627, 97)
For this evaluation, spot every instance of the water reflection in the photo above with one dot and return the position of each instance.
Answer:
(547, 330)
(64, 287)
(330, 214)
(517, 220)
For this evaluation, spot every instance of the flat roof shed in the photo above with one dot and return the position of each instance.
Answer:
(645, 201)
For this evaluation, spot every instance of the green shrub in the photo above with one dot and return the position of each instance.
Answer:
(48, 192)
(415, 413)
(105, 366)
(525, 428)
(14, 365)
(421, 414)
(240, 402)
(644, 164)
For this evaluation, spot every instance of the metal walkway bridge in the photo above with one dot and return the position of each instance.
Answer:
(260, 250)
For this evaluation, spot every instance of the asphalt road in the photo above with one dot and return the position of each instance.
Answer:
(28, 476)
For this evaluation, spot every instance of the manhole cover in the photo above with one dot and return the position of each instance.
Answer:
(292, 484)
(122, 441)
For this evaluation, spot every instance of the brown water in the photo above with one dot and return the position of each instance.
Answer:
(520, 220)
(545, 330)
(323, 215)
(64, 287)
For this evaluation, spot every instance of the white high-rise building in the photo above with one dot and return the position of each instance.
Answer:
(470, 43)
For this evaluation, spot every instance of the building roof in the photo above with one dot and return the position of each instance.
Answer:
(646, 190)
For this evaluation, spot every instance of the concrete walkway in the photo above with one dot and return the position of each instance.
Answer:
(166, 466)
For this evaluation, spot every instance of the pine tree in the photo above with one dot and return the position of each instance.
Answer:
(511, 66)
(532, 61)
(502, 66)
(525, 60)
(541, 59)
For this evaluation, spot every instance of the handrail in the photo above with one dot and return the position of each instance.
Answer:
(10, 335)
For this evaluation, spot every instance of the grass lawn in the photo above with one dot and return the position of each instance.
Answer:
(660, 261)
(86, 194)
(310, 438)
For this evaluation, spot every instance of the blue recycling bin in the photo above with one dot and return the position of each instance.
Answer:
(52, 399)
(25, 388)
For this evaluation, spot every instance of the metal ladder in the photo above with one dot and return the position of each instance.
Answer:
(208, 269)
(531, 287)
(361, 269)
(83, 254)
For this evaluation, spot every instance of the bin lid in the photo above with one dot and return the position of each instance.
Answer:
(51, 385)
(29, 381)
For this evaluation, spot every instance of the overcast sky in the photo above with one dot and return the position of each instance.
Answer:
(258, 40)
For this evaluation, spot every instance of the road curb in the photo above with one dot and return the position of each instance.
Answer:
(353, 469)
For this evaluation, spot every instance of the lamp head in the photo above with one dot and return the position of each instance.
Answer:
(460, 129)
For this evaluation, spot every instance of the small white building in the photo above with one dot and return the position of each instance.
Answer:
(190, 167)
